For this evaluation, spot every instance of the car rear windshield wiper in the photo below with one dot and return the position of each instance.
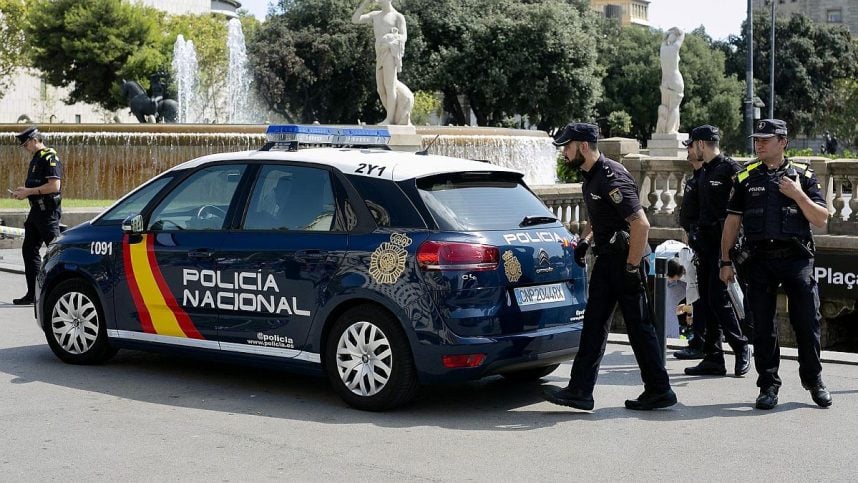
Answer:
(537, 220)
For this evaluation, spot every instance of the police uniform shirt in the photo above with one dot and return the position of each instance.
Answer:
(714, 189)
(766, 213)
(689, 212)
(45, 165)
(611, 196)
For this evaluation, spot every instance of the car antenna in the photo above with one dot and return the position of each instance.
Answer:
(425, 152)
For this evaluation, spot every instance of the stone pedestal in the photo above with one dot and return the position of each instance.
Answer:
(616, 148)
(404, 138)
(667, 145)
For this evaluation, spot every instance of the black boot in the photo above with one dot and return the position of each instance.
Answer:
(743, 360)
(25, 300)
(768, 398)
(819, 393)
(652, 400)
(707, 367)
(568, 396)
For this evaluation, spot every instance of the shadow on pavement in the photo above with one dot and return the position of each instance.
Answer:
(489, 404)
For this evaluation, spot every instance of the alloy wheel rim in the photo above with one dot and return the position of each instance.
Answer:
(74, 322)
(364, 358)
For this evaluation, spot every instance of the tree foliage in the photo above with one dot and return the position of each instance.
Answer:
(810, 58)
(91, 45)
(12, 44)
(312, 64)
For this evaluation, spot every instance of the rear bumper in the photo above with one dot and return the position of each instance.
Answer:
(503, 353)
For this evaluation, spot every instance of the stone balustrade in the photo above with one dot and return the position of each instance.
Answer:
(662, 182)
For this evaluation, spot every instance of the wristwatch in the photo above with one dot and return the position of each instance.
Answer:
(725, 263)
(632, 268)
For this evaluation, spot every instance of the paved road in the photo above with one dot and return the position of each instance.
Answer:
(149, 417)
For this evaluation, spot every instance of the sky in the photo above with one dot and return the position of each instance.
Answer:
(720, 17)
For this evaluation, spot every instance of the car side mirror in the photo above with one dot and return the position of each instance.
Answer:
(133, 224)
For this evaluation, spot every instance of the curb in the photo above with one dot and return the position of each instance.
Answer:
(790, 353)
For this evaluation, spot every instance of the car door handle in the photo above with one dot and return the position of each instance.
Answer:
(310, 255)
(201, 254)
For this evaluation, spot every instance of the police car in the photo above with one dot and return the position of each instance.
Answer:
(382, 270)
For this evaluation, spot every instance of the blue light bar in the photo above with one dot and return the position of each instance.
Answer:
(292, 133)
(339, 136)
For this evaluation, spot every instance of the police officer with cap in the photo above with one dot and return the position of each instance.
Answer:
(42, 190)
(618, 234)
(714, 192)
(775, 200)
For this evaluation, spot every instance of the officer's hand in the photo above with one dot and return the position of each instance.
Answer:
(790, 188)
(581, 251)
(19, 193)
(727, 274)
(632, 279)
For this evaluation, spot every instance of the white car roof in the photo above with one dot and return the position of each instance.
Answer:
(376, 163)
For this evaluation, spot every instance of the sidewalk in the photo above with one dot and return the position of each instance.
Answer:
(11, 260)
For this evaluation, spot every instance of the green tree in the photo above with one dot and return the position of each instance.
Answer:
(619, 123)
(91, 45)
(810, 58)
(425, 104)
(11, 41)
(506, 57)
(311, 63)
(841, 117)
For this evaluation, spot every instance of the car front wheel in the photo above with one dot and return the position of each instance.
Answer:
(368, 360)
(76, 330)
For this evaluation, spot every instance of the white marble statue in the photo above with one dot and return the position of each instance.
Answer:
(390, 37)
(672, 85)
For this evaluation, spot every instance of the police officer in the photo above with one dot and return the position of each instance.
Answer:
(618, 234)
(689, 213)
(42, 190)
(715, 183)
(775, 201)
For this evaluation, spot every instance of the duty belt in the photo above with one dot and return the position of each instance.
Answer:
(774, 248)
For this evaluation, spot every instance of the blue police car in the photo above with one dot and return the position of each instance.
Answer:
(380, 269)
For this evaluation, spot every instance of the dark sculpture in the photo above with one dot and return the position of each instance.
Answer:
(142, 105)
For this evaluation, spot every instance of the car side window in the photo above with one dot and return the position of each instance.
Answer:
(389, 206)
(199, 202)
(136, 201)
(291, 198)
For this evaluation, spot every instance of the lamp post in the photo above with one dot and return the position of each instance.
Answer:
(749, 81)
(772, 67)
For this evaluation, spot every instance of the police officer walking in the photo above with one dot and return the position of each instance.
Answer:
(775, 201)
(618, 232)
(714, 187)
(42, 190)
(689, 214)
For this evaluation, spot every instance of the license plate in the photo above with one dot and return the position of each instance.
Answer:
(540, 294)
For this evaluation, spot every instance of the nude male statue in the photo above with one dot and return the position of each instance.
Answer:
(672, 85)
(390, 37)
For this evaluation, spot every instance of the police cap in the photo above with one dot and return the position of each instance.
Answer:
(767, 128)
(27, 134)
(577, 131)
(705, 132)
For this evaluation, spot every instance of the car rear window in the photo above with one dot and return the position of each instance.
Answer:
(473, 201)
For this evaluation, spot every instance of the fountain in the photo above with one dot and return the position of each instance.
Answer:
(185, 68)
(238, 88)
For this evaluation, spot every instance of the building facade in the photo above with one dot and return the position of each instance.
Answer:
(32, 100)
(843, 12)
(628, 12)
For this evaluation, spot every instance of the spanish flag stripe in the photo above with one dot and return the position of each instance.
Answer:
(180, 315)
(163, 319)
(142, 311)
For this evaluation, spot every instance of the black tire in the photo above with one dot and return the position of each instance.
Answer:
(75, 326)
(379, 348)
(531, 374)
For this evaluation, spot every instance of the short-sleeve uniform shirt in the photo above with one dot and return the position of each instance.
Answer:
(611, 196)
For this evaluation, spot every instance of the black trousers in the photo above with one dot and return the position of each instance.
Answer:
(795, 274)
(605, 293)
(701, 314)
(722, 320)
(40, 228)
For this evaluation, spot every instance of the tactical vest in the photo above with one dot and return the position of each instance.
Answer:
(770, 215)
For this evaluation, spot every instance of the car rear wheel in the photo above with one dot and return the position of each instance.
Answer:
(76, 330)
(369, 361)
(531, 374)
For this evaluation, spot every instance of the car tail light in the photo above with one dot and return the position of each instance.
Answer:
(440, 255)
(463, 360)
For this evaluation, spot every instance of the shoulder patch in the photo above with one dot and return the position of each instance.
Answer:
(616, 195)
(743, 175)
